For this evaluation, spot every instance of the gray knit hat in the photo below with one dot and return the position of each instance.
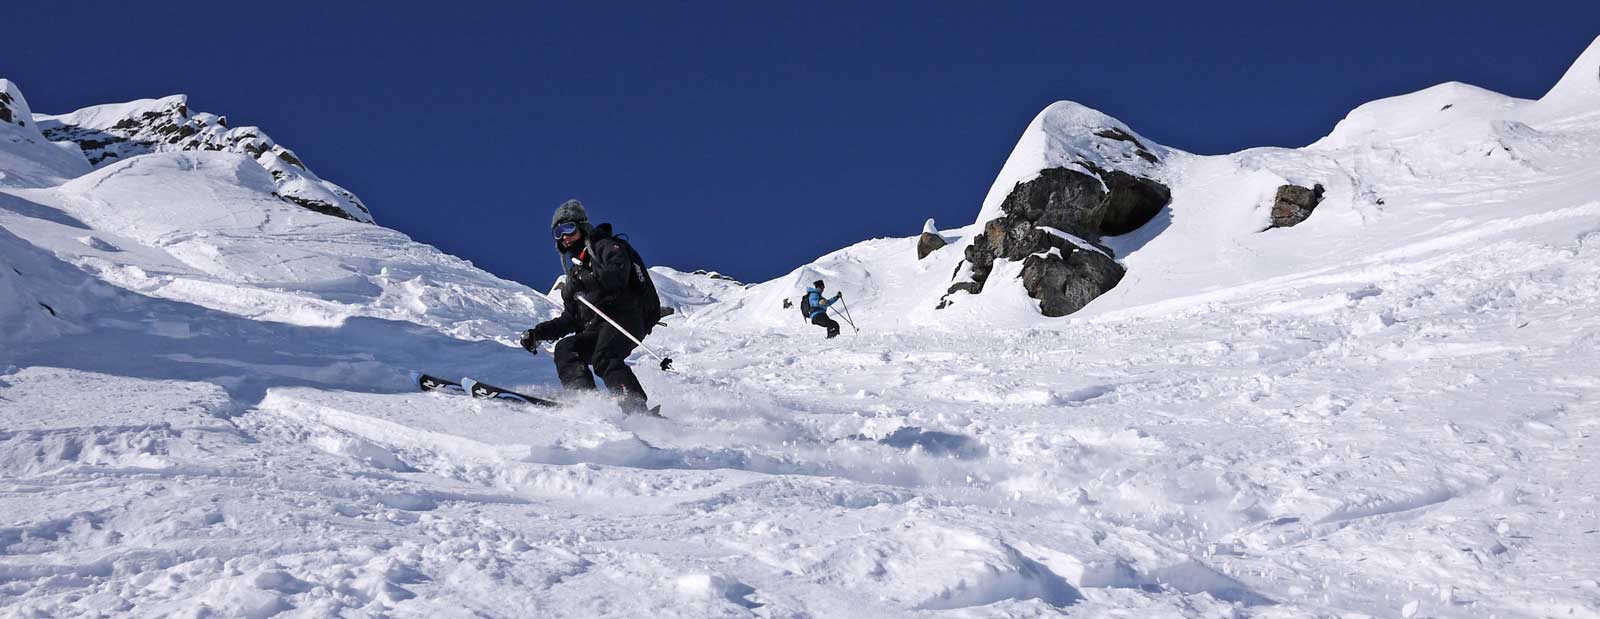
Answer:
(571, 210)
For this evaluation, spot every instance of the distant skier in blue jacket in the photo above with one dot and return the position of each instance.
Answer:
(816, 308)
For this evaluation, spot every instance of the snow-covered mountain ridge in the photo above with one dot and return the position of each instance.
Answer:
(1385, 410)
(113, 132)
(1380, 172)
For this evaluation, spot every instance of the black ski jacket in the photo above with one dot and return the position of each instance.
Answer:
(609, 273)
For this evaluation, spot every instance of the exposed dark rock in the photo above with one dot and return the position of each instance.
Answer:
(1065, 283)
(929, 243)
(1063, 274)
(716, 275)
(1061, 198)
(290, 159)
(1132, 203)
(316, 205)
(6, 115)
(1293, 204)
(1139, 149)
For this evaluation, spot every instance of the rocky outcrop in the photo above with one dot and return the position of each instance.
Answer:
(8, 112)
(1293, 204)
(1132, 201)
(109, 133)
(1053, 225)
(717, 276)
(1114, 133)
(930, 241)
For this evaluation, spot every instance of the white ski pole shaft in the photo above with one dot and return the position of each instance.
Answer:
(666, 362)
(846, 314)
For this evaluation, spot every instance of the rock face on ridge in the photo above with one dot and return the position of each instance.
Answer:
(110, 133)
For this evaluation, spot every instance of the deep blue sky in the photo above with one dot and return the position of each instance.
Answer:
(750, 137)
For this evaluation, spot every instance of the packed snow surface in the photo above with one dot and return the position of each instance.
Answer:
(1389, 410)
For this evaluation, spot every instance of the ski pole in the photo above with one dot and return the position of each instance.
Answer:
(847, 313)
(846, 320)
(666, 362)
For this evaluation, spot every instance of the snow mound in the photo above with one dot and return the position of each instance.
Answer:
(880, 278)
(684, 291)
(932, 566)
(1417, 113)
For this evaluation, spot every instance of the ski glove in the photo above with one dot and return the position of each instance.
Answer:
(544, 331)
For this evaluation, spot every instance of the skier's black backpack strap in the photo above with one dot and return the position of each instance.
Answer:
(644, 290)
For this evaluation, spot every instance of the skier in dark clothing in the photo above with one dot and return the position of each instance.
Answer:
(819, 308)
(606, 271)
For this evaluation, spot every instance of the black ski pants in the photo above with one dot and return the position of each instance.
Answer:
(822, 320)
(607, 350)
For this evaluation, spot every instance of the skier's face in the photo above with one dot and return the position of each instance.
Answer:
(570, 239)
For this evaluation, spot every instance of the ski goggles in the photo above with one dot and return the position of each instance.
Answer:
(565, 228)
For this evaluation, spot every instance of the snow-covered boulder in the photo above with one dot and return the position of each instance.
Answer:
(1293, 204)
(1076, 175)
(930, 240)
(114, 132)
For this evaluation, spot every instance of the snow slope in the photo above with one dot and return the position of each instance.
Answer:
(1388, 410)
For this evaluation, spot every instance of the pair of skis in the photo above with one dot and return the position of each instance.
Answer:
(480, 390)
(485, 391)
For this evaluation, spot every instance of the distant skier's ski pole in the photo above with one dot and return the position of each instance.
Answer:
(666, 362)
(847, 313)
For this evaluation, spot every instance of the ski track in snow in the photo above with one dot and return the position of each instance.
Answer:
(1394, 414)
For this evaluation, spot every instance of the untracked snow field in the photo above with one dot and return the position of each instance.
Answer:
(1390, 410)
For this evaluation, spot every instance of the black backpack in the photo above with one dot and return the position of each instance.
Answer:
(805, 306)
(644, 290)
